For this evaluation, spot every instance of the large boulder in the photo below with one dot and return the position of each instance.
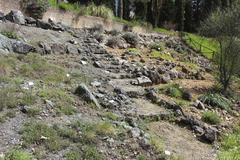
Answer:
(16, 16)
(83, 91)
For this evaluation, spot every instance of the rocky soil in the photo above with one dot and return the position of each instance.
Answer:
(112, 78)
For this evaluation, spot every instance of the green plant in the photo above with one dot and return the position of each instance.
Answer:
(41, 134)
(134, 51)
(157, 143)
(33, 111)
(91, 153)
(230, 146)
(73, 155)
(34, 8)
(163, 56)
(98, 11)
(111, 116)
(18, 155)
(10, 34)
(216, 100)
(173, 90)
(211, 117)
(8, 98)
(158, 46)
(141, 157)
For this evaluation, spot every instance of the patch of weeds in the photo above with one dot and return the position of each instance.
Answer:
(67, 110)
(134, 51)
(216, 100)
(105, 129)
(2, 118)
(91, 153)
(230, 146)
(158, 46)
(7, 64)
(33, 111)
(8, 97)
(162, 56)
(28, 99)
(63, 101)
(18, 155)
(172, 90)
(36, 67)
(42, 134)
(73, 155)
(67, 132)
(157, 143)
(211, 117)
(141, 157)
(10, 34)
(111, 116)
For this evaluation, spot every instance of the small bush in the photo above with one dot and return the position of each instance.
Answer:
(162, 56)
(18, 155)
(216, 100)
(134, 51)
(115, 42)
(91, 153)
(211, 117)
(131, 38)
(98, 11)
(34, 8)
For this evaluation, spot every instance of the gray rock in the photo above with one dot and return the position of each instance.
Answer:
(22, 48)
(198, 130)
(43, 25)
(83, 91)
(98, 64)
(71, 49)
(30, 20)
(16, 16)
(96, 84)
(152, 95)
(58, 48)
(135, 132)
(144, 81)
(210, 135)
(166, 78)
(199, 105)
(2, 16)
(46, 49)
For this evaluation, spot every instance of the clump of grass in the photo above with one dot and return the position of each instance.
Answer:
(10, 34)
(162, 56)
(42, 134)
(73, 155)
(69, 7)
(158, 46)
(98, 11)
(18, 155)
(33, 111)
(111, 116)
(211, 117)
(230, 146)
(134, 51)
(91, 153)
(157, 143)
(173, 90)
(8, 98)
(36, 67)
(105, 129)
(216, 100)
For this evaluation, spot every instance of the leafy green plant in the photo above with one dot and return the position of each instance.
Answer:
(158, 46)
(216, 100)
(163, 56)
(211, 117)
(18, 155)
(73, 155)
(91, 153)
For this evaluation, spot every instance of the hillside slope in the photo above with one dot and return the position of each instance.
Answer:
(93, 94)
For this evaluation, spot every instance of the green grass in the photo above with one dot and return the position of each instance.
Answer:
(18, 155)
(165, 31)
(10, 34)
(216, 101)
(211, 117)
(208, 45)
(134, 51)
(172, 90)
(162, 56)
(230, 146)
(158, 46)
(111, 116)
(73, 155)
(33, 133)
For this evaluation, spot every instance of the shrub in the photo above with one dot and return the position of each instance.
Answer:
(98, 11)
(18, 155)
(72, 155)
(216, 100)
(34, 8)
(131, 38)
(211, 117)
(115, 42)
(91, 153)
(162, 56)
